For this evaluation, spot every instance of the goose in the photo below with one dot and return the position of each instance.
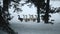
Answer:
(30, 17)
(26, 18)
(21, 19)
(34, 19)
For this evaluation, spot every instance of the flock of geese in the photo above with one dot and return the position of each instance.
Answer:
(26, 19)
(31, 18)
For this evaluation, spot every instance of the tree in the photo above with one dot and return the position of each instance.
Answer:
(46, 16)
(39, 4)
(3, 18)
(47, 11)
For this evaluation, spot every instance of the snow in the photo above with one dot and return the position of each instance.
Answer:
(36, 28)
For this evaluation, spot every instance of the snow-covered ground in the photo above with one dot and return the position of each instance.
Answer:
(36, 28)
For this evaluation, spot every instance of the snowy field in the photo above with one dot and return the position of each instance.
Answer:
(36, 28)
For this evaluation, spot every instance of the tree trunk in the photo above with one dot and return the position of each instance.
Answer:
(38, 14)
(5, 7)
(3, 19)
(47, 12)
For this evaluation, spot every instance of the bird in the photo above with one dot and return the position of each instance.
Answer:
(26, 18)
(34, 19)
(21, 19)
